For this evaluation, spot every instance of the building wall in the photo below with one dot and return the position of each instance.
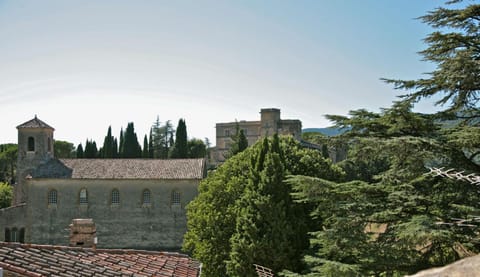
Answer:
(12, 218)
(270, 123)
(130, 224)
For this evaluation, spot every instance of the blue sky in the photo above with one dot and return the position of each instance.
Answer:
(82, 66)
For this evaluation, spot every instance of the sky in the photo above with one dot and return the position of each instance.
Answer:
(82, 66)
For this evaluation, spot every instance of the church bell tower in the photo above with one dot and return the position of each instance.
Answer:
(35, 147)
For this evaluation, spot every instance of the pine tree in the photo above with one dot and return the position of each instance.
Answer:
(180, 148)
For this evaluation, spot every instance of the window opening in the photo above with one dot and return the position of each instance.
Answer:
(31, 144)
(115, 196)
(83, 199)
(13, 237)
(175, 198)
(146, 196)
(21, 235)
(52, 197)
(7, 235)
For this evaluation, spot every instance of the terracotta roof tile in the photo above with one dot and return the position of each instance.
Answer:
(130, 169)
(45, 260)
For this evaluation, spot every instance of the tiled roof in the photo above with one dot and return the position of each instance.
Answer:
(35, 123)
(135, 168)
(47, 260)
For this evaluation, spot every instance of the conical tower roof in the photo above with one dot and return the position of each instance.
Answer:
(35, 123)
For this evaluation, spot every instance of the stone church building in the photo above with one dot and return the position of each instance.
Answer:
(134, 203)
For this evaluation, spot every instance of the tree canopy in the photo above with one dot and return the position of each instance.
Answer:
(249, 188)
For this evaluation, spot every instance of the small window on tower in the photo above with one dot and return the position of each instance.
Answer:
(146, 197)
(227, 133)
(31, 144)
(83, 197)
(175, 198)
(115, 197)
(52, 197)
(49, 144)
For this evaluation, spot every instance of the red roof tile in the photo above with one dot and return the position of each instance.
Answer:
(45, 260)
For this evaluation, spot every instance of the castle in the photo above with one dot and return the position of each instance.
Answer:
(134, 203)
(270, 123)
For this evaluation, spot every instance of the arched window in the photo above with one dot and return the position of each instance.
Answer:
(83, 197)
(115, 197)
(146, 197)
(175, 198)
(7, 235)
(31, 144)
(52, 197)
(21, 235)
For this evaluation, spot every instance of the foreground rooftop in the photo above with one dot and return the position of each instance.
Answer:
(47, 260)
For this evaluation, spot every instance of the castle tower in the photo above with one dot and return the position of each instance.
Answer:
(269, 119)
(35, 147)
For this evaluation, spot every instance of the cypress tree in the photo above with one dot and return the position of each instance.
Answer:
(80, 151)
(90, 149)
(115, 148)
(145, 152)
(180, 148)
(122, 144)
(131, 147)
(150, 145)
(108, 144)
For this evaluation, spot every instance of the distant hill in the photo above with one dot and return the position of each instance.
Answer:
(329, 131)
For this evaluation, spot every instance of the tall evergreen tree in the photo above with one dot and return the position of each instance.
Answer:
(145, 151)
(121, 146)
(150, 145)
(115, 148)
(131, 147)
(108, 144)
(80, 154)
(216, 215)
(180, 148)
(90, 149)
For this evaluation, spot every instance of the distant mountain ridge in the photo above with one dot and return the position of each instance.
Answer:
(329, 131)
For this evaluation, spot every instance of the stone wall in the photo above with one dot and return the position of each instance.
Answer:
(130, 224)
(12, 218)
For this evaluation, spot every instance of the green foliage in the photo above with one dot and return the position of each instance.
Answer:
(227, 198)
(80, 152)
(64, 149)
(239, 142)
(382, 220)
(145, 151)
(131, 147)
(453, 47)
(8, 162)
(180, 148)
(161, 139)
(109, 147)
(197, 148)
(91, 150)
(6, 192)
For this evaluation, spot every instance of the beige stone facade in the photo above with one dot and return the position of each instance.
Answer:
(133, 203)
(270, 123)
